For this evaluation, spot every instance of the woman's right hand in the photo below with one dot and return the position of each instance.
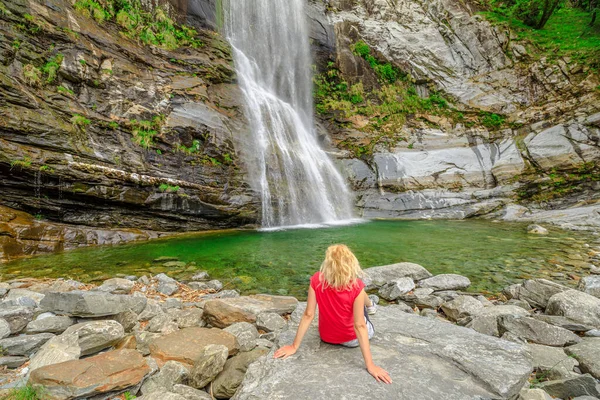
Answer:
(380, 374)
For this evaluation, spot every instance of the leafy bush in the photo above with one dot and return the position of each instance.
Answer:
(534, 13)
(25, 162)
(168, 188)
(491, 120)
(144, 131)
(80, 121)
(51, 67)
(154, 28)
(385, 71)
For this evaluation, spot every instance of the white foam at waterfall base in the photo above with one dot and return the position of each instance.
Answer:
(298, 183)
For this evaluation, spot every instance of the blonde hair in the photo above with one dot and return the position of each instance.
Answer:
(340, 269)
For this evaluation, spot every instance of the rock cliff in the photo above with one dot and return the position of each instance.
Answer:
(98, 129)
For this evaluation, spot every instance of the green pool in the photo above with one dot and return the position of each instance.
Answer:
(492, 255)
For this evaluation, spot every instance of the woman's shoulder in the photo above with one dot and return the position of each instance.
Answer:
(315, 279)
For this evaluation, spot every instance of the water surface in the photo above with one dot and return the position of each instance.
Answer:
(491, 254)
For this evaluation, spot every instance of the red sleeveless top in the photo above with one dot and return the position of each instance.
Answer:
(336, 314)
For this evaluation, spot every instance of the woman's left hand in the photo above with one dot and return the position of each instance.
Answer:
(285, 352)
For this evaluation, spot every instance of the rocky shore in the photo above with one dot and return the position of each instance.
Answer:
(155, 337)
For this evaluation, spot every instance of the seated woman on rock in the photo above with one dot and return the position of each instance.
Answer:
(343, 308)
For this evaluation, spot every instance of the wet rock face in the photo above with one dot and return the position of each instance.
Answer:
(91, 170)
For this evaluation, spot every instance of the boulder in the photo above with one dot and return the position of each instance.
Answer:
(116, 286)
(24, 345)
(161, 395)
(143, 340)
(170, 374)
(551, 362)
(446, 282)
(536, 331)
(227, 382)
(537, 230)
(537, 292)
(151, 310)
(189, 393)
(166, 284)
(186, 345)
(485, 320)
(587, 352)
(188, 318)
(4, 329)
(172, 303)
(103, 373)
(580, 385)
(376, 277)
(19, 297)
(214, 285)
(17, 317)
(209, 363)
(563, 322)
(422, 298)
(224, 312)
(54, 324)
(57, 350)
(393, 290)
(162, 323)
(577, 306)
(91, 304)
(96, 335)
(461, 307)
(270, 322)
(12, 361)
(512, 291)
(430, 351)
(128, 319)
(590, 285)
(245, 333)
(533, 394)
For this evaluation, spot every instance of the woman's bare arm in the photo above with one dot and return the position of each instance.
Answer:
(307, 318)
(360, 327)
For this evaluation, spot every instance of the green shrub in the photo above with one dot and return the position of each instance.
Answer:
(51, 68)
(534, 13)
(144, 131)
(194, 148)
(93, 9)
(27, 392)
(64, 90)
(168, 188)
(32, 75)
(491, 120)
(385, 71)
(25, 162)
(80, 121)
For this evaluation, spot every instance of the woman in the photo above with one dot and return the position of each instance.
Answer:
(343, 305)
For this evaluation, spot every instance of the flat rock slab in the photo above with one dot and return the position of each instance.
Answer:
(427, 359)
(378, 276)
(588, 354)
(91, 304)
(107, 372)
(186, 345)
(224, 312)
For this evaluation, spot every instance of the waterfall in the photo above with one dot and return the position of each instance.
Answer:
(298, 182)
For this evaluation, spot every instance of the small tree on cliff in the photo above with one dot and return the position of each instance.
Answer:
(534, 13)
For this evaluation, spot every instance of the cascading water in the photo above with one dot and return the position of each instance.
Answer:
(298, 182)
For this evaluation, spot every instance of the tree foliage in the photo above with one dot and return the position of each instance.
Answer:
(534, 13)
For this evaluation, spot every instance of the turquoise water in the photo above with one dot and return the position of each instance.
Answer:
(492, 255)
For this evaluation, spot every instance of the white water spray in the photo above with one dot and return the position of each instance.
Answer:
(298, 182)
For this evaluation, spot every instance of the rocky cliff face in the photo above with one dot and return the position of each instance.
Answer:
(122, 135)
(546, 147)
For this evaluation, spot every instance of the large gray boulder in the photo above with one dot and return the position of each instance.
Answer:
(4, 328)
(24, 345)
(94, 336)
(588, 354)
(446, 282)
(537, 292)
(170, 374)
(52, 324)
(270, 322)
(227, 382)
(563, 322)
(485, 320)
(536, 331)
(393, 290)
(460, 307)
(116, 286)
(245, 333)
(590, 285)
(580, 385)
(56, 350)
(552, 362)
(23, 297)
(189, 393)
(208, 365)
(17, 317)
(91, 304)
(578, 306)
(421, 355)
(376, 277)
